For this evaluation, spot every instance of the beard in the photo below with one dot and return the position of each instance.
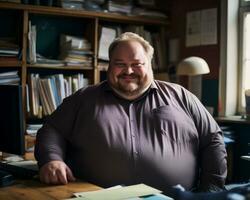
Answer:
(134, 86)
(129, 88)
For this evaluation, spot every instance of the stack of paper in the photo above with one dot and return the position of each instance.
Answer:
(133, 192)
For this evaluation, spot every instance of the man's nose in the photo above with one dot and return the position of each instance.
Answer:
(129, 70)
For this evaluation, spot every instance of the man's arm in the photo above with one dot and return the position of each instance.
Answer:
(50, 153)
(212, 152)
(51, 141)
(50, 145)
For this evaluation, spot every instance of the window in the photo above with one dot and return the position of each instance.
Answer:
(235, 56)
(244, 56)
(228, 78)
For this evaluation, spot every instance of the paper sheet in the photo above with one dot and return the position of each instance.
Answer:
(193, 29)
(209, 26)
(107, 37)
(127, 192)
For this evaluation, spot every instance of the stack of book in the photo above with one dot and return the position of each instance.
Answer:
(102, 65)
(32, 129)
(148, 13)
(72, 4)
(10, 77)
(119, 6)
(46, 62)
(9, 51)
(75, 51)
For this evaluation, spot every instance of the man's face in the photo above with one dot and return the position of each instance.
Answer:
(130, 71)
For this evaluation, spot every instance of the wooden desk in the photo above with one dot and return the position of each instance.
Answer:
(34, 190)
(233, 120)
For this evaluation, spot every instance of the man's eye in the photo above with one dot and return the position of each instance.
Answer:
(138, 65)
(120, 65)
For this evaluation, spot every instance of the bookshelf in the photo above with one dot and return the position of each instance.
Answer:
(50, 23)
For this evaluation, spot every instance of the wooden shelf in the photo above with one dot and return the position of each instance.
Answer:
(10, 64)
(50, 23)
(83, 13)
(62, 67)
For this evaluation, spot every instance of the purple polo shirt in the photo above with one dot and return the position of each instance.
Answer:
(165, 137)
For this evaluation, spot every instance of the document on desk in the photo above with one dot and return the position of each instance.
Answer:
(133, 192)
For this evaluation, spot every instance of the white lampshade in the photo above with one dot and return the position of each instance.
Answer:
(192, 66)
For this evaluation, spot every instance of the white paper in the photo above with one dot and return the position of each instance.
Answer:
(107, 36)
(193, 29)
(209, 26)
(125, 192)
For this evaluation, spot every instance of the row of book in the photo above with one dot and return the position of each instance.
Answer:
(125, 7)
(108, 34)
(45, 94)
(77, 51)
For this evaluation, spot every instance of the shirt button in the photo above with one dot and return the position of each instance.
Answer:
(136, 152)
(133, 135)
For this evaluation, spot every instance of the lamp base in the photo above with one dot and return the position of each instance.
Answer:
(195, 85)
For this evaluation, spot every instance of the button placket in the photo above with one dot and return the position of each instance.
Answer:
(132, 131)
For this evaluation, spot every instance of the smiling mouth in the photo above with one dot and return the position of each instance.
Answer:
(128, 77)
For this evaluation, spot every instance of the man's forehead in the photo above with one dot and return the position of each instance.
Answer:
(128, 49)
(123, 60)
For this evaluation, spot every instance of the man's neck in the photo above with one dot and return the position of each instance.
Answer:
(131, 97)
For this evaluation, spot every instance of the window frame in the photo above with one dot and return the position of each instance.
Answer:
(243, 10)
(229, 60)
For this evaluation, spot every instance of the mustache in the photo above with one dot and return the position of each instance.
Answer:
(130, 75)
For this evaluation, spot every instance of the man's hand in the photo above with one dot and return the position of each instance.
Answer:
(56, 172)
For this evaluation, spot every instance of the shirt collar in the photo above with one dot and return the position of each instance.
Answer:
(153, 86)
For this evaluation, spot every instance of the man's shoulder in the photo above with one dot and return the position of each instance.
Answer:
(168, 85)
(89, 92)
(93, 89)
(172, 90)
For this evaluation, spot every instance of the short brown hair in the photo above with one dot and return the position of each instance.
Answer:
(129, 36)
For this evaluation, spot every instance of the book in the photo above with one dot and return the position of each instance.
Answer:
(33, 94)
(43, 98)
(32, 43)
(106, 38)
(10, 77)
(9, 74)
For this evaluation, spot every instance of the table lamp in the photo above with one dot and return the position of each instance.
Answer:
(193, 67)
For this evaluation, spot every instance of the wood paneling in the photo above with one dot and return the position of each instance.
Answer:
(211, 53)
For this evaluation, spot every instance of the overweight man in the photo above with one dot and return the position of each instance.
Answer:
(132, 129)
